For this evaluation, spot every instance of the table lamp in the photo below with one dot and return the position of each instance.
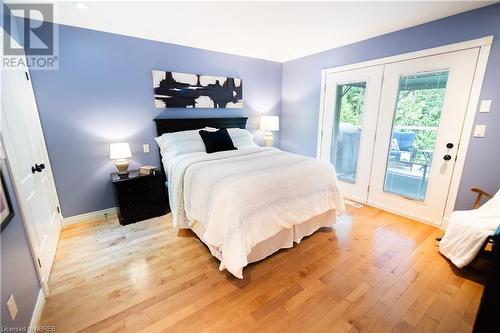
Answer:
(120, 152)
(268, 124)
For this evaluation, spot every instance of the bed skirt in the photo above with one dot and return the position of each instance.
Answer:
(282, 240)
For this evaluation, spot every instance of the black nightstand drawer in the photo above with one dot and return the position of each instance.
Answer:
(140, 197)
(137, 205)
(137, 188)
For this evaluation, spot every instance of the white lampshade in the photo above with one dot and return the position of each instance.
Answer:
(119, 151)
(270, 123)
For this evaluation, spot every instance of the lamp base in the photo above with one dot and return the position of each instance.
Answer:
(268, 139)
(122, 167)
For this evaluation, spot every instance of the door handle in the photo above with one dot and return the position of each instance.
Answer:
(37, 167)
(449, 145)
(447, 157)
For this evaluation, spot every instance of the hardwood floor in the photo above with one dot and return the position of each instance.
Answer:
(373, 272)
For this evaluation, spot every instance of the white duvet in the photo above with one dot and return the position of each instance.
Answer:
(243, 197)
(468, 230)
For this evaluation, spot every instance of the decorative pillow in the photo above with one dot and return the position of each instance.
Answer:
(217, 141)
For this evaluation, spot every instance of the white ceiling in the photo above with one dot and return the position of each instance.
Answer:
(278, 31)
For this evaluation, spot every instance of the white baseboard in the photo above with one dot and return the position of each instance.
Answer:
(37, 310)
(90, 217)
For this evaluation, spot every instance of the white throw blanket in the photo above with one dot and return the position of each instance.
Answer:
(243, 197)
(468, 230)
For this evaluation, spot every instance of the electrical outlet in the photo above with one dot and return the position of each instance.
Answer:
(12, 306)
(145, 148)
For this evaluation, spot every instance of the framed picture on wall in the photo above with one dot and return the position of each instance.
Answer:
(6, 212)
(182, 90)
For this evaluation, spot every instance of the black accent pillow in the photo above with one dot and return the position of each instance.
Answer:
(217, 141)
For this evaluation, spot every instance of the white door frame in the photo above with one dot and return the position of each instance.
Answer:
(484, 45)
(7, 147)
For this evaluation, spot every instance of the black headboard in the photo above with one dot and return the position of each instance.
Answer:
(185, 124)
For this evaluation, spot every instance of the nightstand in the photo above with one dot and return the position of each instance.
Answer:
(139, 197)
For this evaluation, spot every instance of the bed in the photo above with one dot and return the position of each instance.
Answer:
(248, 203)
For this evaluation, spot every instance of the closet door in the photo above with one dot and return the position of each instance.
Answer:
(422, 110)
(31, 171)
(348, 125)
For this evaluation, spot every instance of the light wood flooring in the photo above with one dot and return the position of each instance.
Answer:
(373, 272)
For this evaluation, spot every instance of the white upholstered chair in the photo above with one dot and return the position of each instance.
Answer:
(472, 232)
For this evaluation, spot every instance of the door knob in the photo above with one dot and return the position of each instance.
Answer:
(449, 145)
(447, 157)
(37, 167)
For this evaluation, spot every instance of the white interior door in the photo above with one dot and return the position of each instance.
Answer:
(25, 147)
(422, 110)
(351, 101)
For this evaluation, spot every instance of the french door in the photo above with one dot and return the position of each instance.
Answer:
(392, 130)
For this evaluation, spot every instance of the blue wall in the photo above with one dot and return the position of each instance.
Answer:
(302, 79)
(103, 93)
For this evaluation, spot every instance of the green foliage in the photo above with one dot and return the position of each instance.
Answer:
(352, 104)
(420, 108)
(414, 108)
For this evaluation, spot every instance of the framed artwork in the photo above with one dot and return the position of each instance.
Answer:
(6, 212)
(182, 90)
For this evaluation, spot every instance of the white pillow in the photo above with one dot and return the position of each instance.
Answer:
(178, 143)
(241, 137)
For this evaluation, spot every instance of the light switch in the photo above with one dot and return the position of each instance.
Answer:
(12, 306)
(485, 105)
(479, 131)
(145, 148)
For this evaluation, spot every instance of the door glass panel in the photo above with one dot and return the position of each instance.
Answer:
(418, 111)
(349, 108)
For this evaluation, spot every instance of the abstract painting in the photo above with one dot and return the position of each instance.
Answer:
(181, 90)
